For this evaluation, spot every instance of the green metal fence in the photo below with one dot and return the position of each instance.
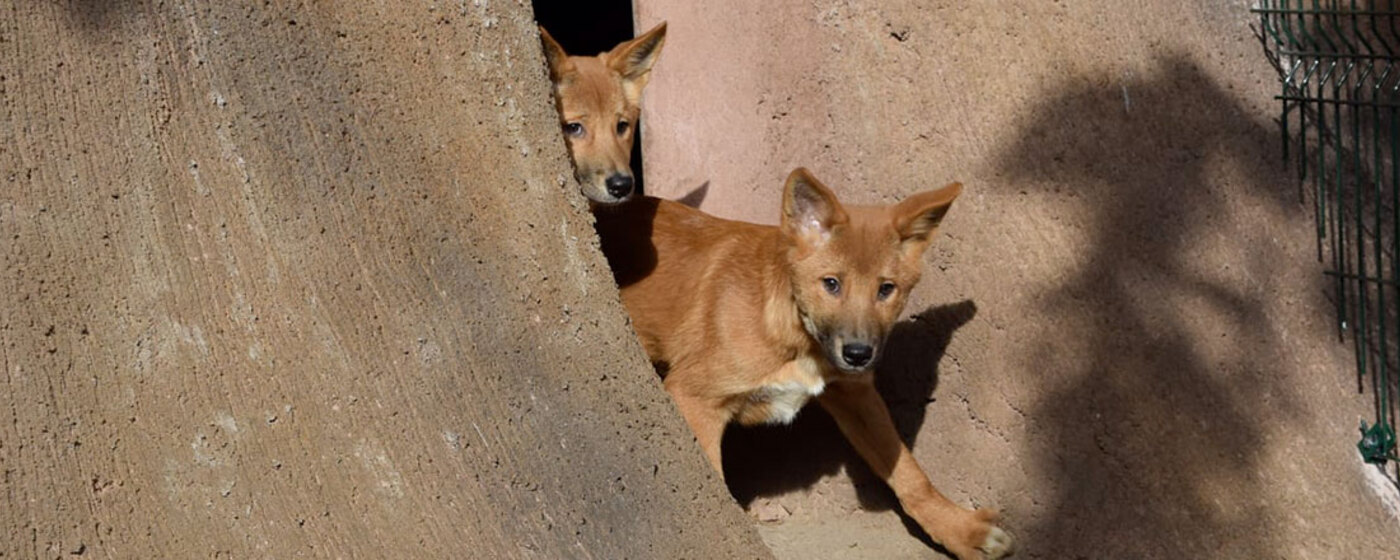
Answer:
(1341, 122)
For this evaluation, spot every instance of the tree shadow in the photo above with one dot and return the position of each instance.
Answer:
(1151, 432)
(769, 460)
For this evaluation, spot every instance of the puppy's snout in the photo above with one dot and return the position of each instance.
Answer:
(619, 185)
(857, 354)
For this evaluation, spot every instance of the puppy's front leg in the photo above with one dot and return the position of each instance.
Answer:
(863, 418)
(707, 417)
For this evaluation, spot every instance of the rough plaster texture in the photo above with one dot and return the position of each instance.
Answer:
(1122, 339)
(313, 281)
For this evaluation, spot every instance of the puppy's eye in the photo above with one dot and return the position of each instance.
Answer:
(623, 127)
(573, 129)
(832, 285)
(886, 290)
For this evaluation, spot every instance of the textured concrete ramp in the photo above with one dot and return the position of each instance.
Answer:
(1122, 339)
(315, 282)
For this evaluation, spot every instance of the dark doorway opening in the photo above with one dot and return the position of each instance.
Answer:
(589, 28)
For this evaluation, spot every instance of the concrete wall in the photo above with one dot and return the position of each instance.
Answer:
(315, 281)
(1122, 338)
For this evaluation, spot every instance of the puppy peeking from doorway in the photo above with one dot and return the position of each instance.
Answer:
(599, 100)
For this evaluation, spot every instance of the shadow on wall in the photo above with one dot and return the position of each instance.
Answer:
(770, 460)
(1152, 435)
(94, 14)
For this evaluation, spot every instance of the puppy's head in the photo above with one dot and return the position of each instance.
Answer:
(852, 268)
(599, 99)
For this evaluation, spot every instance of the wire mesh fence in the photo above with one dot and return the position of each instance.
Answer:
(1340, 122)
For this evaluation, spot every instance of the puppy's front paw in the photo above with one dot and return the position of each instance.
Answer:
(980, 539)
(998, 544)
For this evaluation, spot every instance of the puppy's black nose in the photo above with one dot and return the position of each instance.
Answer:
(619, 185)
(857, 354)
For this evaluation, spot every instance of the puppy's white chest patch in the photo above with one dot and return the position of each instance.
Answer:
(785, 399)
(787, 391)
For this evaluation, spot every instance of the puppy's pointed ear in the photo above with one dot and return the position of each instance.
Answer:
(554, 54)
(810, 210)
(917, 217)
(634, 59)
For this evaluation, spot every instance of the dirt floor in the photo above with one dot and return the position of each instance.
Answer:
(1123, 338)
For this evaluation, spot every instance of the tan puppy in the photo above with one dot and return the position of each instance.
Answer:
(752, 321)
(599, 100)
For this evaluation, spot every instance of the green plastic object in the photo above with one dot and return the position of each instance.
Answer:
(1377, 443)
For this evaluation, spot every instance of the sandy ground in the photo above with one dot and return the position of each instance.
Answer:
(1122, 339)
